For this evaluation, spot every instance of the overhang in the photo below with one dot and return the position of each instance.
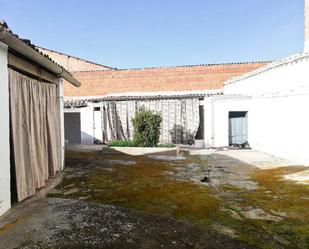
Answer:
(26, 49)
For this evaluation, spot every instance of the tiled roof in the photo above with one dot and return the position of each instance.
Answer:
(183, 66)
(196, 65)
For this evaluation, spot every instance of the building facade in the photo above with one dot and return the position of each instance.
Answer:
(102, 119)
(32, 128)
(102, 108)
(258, 105)
(112, 97)
(269, 105)
(266, 108)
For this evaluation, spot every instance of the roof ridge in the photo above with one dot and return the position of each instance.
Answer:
(180, 66)
(196, 65)
(75, 57)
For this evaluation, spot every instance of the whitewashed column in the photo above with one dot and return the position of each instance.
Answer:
(5, 187)
(61, 119)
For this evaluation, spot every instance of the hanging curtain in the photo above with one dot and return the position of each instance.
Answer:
(180, 119)
(35, 132)
(117, 117)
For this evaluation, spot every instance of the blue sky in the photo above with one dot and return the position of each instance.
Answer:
(145, 33)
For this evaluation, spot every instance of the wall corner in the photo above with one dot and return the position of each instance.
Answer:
(61, 119)
(5, 174)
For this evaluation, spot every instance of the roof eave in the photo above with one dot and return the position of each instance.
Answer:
(16, 44)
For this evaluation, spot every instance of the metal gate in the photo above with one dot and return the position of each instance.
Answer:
(238, 128)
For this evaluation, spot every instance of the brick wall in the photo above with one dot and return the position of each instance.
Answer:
(186, 78)
(72, 63)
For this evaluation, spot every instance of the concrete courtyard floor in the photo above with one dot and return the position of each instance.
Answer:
(106, 199)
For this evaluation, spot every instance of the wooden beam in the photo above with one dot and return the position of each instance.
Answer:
(30, 69)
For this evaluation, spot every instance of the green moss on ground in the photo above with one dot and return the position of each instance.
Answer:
(144, 186)
(148, 186)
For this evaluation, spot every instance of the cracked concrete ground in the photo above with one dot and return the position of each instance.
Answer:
(111, 200)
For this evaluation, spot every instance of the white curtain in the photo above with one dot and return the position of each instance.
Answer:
(35, 132)
(180, 119)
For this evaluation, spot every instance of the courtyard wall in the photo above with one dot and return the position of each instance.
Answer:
(5, 191)
(276, 99)
(165, 79)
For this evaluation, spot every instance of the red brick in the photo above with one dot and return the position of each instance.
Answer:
(185, 78)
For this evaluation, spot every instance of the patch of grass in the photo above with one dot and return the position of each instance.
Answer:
(129, 143)
(122, 143)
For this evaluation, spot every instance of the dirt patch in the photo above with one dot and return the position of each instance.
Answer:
(63, 223)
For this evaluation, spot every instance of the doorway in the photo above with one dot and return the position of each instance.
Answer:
(238, 128)
(97, 125)
(200, 132)
(72, 127)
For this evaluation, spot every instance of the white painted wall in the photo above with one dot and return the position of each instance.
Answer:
(86, 123)
(5, 191)
(61, 119)
(97, 122)
(279, 126)
(86, 115)
(277, 105)
(286, 78)
(216, 129)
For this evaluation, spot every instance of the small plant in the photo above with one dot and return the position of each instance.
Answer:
(147, 125)
(121, 143)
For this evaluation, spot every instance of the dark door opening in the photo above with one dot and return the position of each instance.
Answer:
(238, 128)
(200, 131)
(13, 183)
(72, 127)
